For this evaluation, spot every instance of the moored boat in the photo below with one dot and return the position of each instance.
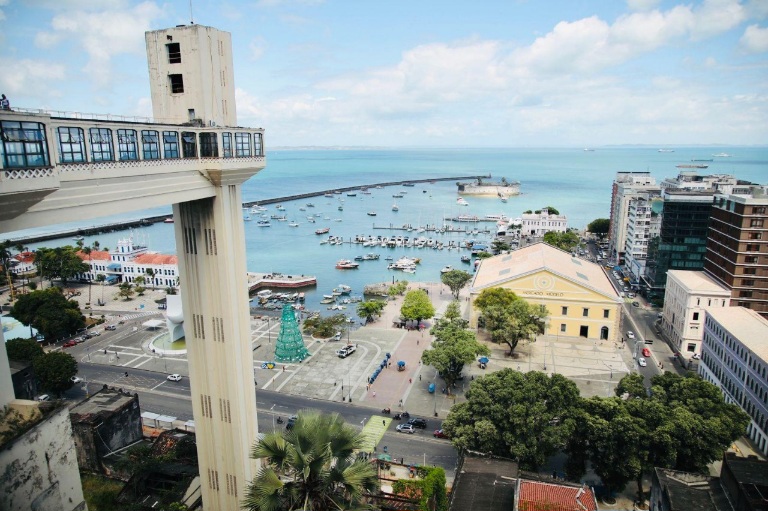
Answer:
(324, 230)
(346, 264)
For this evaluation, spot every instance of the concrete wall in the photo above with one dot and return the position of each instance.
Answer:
(39, 469)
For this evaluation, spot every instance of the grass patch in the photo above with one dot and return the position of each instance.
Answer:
(101, 492)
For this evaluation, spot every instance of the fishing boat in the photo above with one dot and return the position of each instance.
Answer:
(310, 205)
(398, 195)
(168, 220)
(666, 150)
(446, 268)
(465, 259)
(462, 202)
(371, 257)
(722, 155)
(280, 207)
(294, 224)
(692, 166)
(344, 289)
(324, 230)
(264, 223)
(346, 264)
(395, 207)
(78, 238)
(371, 213)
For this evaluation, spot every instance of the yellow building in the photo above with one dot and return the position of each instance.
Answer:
(580, 298)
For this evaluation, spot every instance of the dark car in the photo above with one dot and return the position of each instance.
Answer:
(291, 421)
(418, 423)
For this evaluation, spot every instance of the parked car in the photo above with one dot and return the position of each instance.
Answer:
(439, 434)
(69, 344)
(405, 428)
(418, 423)
(635, 304)
(78, 340)
(291, 421)
(174, 377)
(75, 379)
(630, 334)
(646, 352)
(110, 327)
(641, 362)
(43, 397)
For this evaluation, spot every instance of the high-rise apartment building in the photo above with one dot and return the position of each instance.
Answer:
(737, 247)
(626, 186)
(643, 221)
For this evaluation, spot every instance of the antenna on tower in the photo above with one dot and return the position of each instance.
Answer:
(191, 16)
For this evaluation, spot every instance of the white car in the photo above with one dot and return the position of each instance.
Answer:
(346, 351)
(174, 377)
(630, 334)
(75, 379)
(641, 362)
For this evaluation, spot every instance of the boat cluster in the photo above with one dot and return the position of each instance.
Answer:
(403, 241)
(268, 299)
(405, 264)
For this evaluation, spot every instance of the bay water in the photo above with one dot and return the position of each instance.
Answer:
(576, 182)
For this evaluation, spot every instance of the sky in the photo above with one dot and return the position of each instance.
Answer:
(422, 73)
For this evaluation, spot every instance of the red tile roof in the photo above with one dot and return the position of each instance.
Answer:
(96, 255)
(535, 495)
(156, 259)
(25, 257)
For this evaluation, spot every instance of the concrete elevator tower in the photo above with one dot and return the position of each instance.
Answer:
(191, 75)
(192, 82)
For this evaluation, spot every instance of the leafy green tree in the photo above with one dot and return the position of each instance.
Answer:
(61, 263)
(49, 312)
(633, 385)
(151, 276)
(508, 318)
(483, 255)
(6, 256)
(452, 348)
(417, 306)
(139, 283)
(88, 251)
(101, 278)
(312, 467)
(498, 246)
(126, 290)
(523, 416)
(453, 315)
(55, 371)
(23, 349)
(398, 288)
(599, 227)
(562, 240)
(369, 309)
(324, 327)
(552, 211)
(456, 280)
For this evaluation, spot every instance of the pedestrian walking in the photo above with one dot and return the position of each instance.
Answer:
(374, 393)
(419, 377)
(410, 380)
(384, 423)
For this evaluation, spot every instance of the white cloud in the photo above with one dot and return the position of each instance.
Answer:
(102, 35)
(755, 39)
(256, 48)
(642, 5)
(29, 77)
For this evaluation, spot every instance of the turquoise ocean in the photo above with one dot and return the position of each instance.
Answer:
(575, 181)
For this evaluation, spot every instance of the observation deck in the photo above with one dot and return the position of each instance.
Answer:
(59, 167)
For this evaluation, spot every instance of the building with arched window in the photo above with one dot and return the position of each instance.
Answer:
(578, 294)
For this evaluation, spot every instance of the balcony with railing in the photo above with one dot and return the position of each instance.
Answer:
(53, 162)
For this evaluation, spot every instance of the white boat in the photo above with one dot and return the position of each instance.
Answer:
(344, 289)
(666, 150)
(462, 202)
(294, 224)
(264, 293)
(78, 238)
(264, 223)
(395, 207)
(722, 155)
(446, 269)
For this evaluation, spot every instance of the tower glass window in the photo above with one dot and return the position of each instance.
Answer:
(258, 145)
(189, 144)
(23, 144)
(101, 144)
(127, 147)
(242, 144)
(209, 146)
(170, 144)
(71, 145)
(174, 53)
(226, 140)
(177, 84)
(150, 145)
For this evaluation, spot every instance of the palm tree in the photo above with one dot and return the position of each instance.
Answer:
(311, 467)
(101, 278)
(151, 275)
(87, 251)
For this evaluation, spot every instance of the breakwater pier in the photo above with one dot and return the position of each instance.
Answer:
(142, 222)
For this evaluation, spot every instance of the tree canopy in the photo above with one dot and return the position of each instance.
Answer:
(55, 371)
(452, 348)
(23, 349)
(370, 308)
(455, 280)
(523, 416)
(508, 318)
(562, 240)
(312, 467)
(59, 263)
(49, 312)
(417, 306)
(599, 227)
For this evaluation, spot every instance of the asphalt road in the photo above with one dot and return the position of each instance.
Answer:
(158, 395)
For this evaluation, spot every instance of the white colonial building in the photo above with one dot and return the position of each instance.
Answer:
(130, 260)
(542, 222)
(688, 295)
(735, 358)
(643, 224)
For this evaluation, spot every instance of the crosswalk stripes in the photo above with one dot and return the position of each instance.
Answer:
(373, 431)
